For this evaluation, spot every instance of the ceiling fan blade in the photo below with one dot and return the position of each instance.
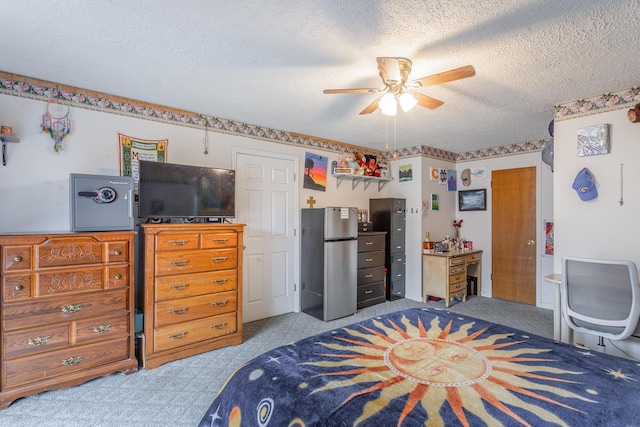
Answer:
(427, 101)
(356, 90)
(444, 77)
(371, 107)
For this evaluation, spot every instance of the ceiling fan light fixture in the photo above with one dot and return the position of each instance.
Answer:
(407, 101)
(388, 104)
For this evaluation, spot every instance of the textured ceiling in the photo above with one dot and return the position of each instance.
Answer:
(266, 62)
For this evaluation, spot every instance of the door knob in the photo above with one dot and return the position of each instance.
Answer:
(531, 243)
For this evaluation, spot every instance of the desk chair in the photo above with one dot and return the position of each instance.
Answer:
(600, 297)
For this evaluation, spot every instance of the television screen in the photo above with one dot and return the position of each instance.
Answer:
(168, 190)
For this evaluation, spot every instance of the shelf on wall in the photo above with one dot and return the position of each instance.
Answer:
(6, 138)
(355, 179)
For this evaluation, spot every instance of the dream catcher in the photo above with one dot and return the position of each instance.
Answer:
(56, 123)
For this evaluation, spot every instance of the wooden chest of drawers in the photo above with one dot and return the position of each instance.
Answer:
(371, 258)
(67, 310)
(192, 289)
(445, 275)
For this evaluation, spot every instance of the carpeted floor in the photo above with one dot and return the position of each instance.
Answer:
(178, 393)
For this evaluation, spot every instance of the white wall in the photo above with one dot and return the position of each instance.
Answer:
(476, 225)
(34, 185)
(600, 228)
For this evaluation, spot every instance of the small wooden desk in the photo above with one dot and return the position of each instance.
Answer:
(444, 275)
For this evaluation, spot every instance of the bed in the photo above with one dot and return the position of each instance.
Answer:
(429, 367)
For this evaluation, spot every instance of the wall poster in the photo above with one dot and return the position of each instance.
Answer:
(315, 172)
(134, 149)
(548, 238)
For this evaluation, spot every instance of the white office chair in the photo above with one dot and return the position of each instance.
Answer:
(600, 297)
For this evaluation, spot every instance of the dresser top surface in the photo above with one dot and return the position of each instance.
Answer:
(453, 254)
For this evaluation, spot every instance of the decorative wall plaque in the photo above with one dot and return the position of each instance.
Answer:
(593, 140)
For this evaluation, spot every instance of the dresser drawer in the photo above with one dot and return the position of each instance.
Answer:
(187, 285)
(117, 276)
(60, 362)
(371, 243)
(397, 244)
(48, 310)
(117, 252)
(177, 241)
(68, 281)
(35, 340)
(186, 309)
(371, 290)
(219, 240)
(398, 224)
(100, 328)
(195, 261)
(370, 259)
(368, 275)
(181, 334)
(71, 251)
(16, 258)
(16, 286)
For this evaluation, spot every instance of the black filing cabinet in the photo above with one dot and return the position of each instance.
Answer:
(390, 215)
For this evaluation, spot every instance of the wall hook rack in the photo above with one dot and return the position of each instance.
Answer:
(6, 138)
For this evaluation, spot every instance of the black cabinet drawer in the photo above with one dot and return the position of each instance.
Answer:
(371, 243)
(396, 290)
(370, 259)
(398, 207)
(396, 244)
(371, 290)
(398, 225)
(373, 274)
(397, 271)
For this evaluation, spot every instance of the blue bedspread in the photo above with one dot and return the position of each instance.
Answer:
(429, 367)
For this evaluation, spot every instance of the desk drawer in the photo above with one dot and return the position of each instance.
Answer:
(457, 261)
(460, 277)
(473, 258)
(458, 286)
(457, 270)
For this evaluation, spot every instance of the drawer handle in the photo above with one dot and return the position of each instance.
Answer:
(101, 329)
(179, 262)
(71, 308)
(179, 287)
(368, 292)
(117, 277)
(219, 259)
(399, 247)
(178, 242)
(72, 361)
(368, 276)
(368, 259)
(117, 253)
(399, 275)
(18, 258)
(220, 326)
(220, 303)
(368, 243)
(219, 281)
(39, 340)
(179, 310)
(178, 336)
(17, 287)
(220, 241)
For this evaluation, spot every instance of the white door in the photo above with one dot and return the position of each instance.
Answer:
(266, 203)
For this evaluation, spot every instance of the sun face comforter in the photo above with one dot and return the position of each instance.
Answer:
(429, 367)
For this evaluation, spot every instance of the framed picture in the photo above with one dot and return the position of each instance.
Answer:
(435, 202)
(548, 238)
(593, 140)
(472, 200)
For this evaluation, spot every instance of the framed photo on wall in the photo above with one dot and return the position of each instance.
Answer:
(472, 200)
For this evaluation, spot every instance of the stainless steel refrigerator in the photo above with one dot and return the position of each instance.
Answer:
(328, 254)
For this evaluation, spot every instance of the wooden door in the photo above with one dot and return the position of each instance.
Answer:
(266, 194)
(513, 223)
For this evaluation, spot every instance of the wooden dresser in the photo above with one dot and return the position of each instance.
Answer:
(192, 289)
(444, 275)
(67, 310)
(371, 269)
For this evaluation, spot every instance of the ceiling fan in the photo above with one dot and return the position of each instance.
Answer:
(395, 74)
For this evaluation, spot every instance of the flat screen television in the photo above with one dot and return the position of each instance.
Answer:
(169, 190)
